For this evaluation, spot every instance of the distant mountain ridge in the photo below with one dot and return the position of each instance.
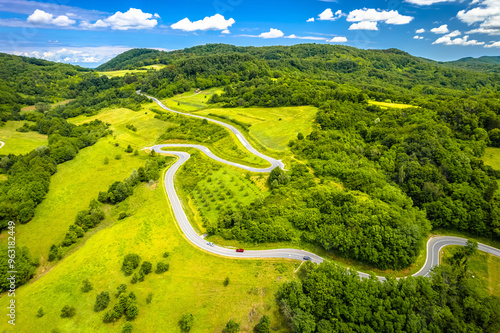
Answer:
(489, 64)
(136, 58)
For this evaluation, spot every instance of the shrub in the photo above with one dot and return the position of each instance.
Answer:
(186, 322)
(226, 282)
(146, 267)
(162, 267)
(86, 286)
(101, 301)
(130, 262)
(127, 328)
(149, 298)
(68, 311)
(120, 289)
(231, 327)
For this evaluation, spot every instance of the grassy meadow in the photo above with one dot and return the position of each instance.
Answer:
(191, 101)
(492, 157)
(18, 142)
(130, 71)
(386, 105)
(72, 187)
(194, 283)
(483, 266)
(148, 127)
(271, 127)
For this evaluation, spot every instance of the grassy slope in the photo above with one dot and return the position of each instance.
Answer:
(386, 105)
(72, 188)
(191, 101)
(80, 180)
(484, 266)
(17, 142)
(267, 128)
(148, 127)
(492, 157)
(32, 107)
(130, 71)
(193, 284)
(272, 127)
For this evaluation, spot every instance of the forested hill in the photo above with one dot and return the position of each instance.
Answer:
(379, 74)
(26, 81)
(130, 59)
(482, 64)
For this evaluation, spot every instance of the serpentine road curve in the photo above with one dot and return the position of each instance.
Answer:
(1, 144)
(434, 244)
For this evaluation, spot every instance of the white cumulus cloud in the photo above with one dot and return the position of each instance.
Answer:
(446, 40)
(293, 36)
(97, 24)
(454, 34)
(494, 44)
(427, 2)
(486, 14)
(441, 30)
(273, 33)
(491, 32)
(132, 19)
(364, 25)
(40, 17)
(338, 40)
(327, 15)
(310, 19)
(420, 31)
(418, 37)
(374, 15)
(216, 22)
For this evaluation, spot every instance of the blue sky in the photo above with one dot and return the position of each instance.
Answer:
(91, 32)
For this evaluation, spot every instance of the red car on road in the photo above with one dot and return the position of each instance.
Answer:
(239, 250)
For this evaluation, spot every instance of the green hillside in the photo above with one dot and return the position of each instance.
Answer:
(381, 150)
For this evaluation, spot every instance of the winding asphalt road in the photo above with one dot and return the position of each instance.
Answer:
(434, 244)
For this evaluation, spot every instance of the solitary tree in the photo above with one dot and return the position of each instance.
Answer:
(101, 301)
(67, 311)
(232, 327)
(264, 325)
(186, 322)
(86, 286)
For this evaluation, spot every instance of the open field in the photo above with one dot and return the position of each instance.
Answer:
(72, 187)
(157, 66)
(271, 127)
(130, 71)
(484, 266)
(192, 285)
(492, 157)
(191, 101)
(148, 127)
(225, 188)
(17, 142)
(391, 105)
(32, 107)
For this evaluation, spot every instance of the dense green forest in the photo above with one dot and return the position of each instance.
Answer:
(482, 64)
(333, 299)
(26, 81)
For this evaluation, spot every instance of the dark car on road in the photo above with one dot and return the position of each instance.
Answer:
(307, 258)
(239, 250)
